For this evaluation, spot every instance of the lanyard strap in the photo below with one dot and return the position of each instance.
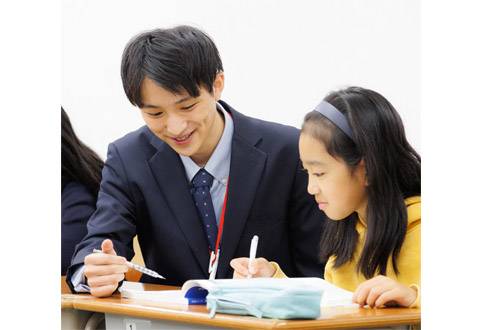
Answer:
(220, 226)
(222, 218)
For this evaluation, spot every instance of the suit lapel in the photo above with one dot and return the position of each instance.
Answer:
(247, 165)
(169, 173)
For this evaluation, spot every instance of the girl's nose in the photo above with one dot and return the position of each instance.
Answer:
(312, 187)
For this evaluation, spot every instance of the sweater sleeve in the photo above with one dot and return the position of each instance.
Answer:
(411, 269)
(278, 271)
(416, 303)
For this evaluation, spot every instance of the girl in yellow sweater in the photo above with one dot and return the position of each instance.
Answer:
(365, 176)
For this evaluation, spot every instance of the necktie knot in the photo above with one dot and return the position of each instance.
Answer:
(202, 179)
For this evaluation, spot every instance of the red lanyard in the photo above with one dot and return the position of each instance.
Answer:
(220, 226)
(213, 264)
(222, 217)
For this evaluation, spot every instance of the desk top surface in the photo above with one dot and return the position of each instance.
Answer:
(331, 318)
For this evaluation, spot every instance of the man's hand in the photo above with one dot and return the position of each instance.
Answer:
(104, 270)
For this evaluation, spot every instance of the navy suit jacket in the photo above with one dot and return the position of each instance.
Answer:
(78, 204)
(144, 191)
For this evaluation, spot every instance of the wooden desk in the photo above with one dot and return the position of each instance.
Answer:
(122, 313)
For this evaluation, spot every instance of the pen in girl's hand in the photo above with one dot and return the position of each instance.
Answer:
(253, 253)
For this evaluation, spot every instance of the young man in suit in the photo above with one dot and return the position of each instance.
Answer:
(198, 181)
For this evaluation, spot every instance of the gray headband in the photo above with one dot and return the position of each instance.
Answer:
(335, 116)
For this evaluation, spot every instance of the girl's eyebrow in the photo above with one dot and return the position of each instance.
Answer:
(314, 163)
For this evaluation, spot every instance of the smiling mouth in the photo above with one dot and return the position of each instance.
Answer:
(182, 138)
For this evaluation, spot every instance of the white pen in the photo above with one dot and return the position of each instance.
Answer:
(253, 253)
(141, 269)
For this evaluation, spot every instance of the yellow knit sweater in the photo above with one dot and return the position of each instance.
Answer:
(408, 261)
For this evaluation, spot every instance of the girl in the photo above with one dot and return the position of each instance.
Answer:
(81, 174)
(365, 176)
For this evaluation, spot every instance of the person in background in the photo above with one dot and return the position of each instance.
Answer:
(81, 174)
(366, 177)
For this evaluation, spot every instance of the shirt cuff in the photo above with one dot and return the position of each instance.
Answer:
(416, 303)
(79, 281)
(278, 271)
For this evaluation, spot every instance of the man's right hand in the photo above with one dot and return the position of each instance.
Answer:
(104, 270)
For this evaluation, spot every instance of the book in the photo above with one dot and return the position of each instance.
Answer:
(194, 292)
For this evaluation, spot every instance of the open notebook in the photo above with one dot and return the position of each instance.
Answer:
(194, 292)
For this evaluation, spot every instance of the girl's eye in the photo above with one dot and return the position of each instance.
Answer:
(189, 107)
(314, 174)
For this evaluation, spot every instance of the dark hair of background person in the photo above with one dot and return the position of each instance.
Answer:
(392, 170)
(79, 162)
(178, 59)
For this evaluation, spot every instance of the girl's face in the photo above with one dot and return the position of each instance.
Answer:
(338, 191)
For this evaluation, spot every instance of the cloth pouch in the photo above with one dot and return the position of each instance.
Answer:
(270, 301)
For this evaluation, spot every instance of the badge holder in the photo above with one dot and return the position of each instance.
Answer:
(213, 264)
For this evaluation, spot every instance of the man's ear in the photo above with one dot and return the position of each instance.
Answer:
(218, 84)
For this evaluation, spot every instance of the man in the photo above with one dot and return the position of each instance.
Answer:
(198, 181)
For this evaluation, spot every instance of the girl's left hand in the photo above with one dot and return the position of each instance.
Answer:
(380, 290)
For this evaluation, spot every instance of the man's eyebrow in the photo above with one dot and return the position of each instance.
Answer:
(149, 106)
(184, 99)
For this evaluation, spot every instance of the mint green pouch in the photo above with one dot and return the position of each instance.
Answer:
(269, 301)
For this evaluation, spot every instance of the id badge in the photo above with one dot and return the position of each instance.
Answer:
(213, 264)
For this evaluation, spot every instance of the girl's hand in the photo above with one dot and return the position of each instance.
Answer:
(260, 268)
(382, 291)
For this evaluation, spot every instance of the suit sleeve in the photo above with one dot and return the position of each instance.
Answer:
(305, 226)
(114, 217)
(78, 204)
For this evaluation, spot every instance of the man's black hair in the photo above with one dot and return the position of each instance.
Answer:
(178, 59)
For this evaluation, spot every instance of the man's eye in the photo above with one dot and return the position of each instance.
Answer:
(156, 114)
(189, 107)
(318, 174)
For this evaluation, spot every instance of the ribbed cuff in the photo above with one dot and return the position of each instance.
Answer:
(278, 271)
(416, 303)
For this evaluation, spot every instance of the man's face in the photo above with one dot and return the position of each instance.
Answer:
(191, 126)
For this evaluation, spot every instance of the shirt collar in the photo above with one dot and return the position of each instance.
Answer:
(219, 163)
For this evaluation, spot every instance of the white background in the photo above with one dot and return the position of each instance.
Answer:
(280, 57)
(30, 88)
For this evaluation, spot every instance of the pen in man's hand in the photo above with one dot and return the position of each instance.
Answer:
(141, 269)
(253, 253)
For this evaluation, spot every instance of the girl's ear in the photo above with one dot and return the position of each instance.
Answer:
(362, 171)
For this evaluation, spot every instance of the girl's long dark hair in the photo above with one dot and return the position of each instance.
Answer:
(392, 170)
(79, 162)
